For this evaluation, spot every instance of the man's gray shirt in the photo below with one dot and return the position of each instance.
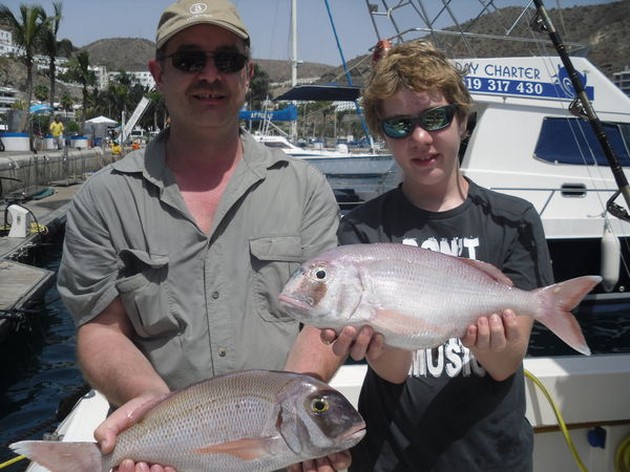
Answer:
(200, 304)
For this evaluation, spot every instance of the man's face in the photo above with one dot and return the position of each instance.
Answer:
(207, 98)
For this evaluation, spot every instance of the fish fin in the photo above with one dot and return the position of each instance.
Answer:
(488, 269)
(558, 301)
(246, 449)
(60, 456)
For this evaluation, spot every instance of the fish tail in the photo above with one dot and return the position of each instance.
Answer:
(558, 301)
(60, 456)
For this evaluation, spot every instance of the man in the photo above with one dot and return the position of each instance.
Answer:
(174, 256)
(57, 129)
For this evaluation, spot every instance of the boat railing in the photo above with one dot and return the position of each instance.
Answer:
(566, 191)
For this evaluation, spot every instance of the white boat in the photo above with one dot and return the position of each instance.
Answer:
(524, 143)
(335, 163)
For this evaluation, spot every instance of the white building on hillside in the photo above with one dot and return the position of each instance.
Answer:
(143, 78)
(6, 43)
(8, 96)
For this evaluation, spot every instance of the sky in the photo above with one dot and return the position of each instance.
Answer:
(86, 21)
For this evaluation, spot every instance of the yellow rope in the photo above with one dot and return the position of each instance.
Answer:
(561, 423)
(11, 461)
(622, 456)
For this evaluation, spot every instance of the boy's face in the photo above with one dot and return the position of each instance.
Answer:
(427, 158)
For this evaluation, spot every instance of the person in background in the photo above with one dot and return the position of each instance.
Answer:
(462, 406)
(56, 129)
(174, 256)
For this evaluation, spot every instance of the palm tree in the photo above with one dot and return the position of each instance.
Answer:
(66, 102)
(79, 71)
(258, 88)
(159, 107)
(50, 47)
(26, 34)
(41, 92)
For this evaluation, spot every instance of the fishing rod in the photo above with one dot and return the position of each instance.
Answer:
(582, 107)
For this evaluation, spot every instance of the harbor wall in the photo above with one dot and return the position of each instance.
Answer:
(21, 171)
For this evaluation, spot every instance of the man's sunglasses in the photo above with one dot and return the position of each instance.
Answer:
(433, 119)
(193, 61)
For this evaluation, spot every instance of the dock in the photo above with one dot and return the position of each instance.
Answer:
(43, 190)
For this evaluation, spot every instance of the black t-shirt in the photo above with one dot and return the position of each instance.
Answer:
(450, 415)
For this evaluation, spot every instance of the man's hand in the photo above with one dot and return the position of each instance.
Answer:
(358, 343)
(391, 364)
(121, 419)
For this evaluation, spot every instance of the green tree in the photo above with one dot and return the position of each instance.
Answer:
(41, 92)
(66, 102)
(258, 88)
(79, 71)
(50, 46)
(27, 30)
(158, 106)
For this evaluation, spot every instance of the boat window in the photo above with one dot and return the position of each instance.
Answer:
(573, 141)
(276, 145)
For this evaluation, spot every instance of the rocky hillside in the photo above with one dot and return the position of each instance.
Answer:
(602, 30)
(132, 54)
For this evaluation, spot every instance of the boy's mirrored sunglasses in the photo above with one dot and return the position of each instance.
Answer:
(193, 61)
(433, 119)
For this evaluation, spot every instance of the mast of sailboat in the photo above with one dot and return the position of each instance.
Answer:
(357, 107)
(294, 62)
(583, 108)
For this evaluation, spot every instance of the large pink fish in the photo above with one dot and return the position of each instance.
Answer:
(419, 298)
(245, 421)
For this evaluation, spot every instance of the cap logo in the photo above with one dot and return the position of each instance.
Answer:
(197, 8)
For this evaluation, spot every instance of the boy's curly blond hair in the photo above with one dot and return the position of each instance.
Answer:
(419, 66)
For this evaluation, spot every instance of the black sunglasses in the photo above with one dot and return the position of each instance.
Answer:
(193, 61)
(433, 119)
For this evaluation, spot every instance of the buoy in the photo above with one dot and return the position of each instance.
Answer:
(610, 258)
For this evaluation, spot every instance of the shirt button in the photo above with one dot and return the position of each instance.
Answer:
(222, 352)
(215, 295)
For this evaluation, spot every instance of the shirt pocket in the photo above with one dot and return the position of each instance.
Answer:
(274, 259)
(144, 293)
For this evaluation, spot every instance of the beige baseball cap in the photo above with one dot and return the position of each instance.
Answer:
(185, 13)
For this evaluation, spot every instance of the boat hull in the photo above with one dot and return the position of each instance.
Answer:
(354, 166)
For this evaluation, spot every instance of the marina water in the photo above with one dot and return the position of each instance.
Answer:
(40, 376)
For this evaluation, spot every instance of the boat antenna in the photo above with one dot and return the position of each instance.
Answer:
(582, 107)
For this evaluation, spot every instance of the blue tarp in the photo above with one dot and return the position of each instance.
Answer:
(287, 114)
(40, 109)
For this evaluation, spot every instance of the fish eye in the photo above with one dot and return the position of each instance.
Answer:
(320, 274)
(320, 405)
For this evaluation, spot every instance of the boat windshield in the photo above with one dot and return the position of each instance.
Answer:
(277, 145)
(573, 141)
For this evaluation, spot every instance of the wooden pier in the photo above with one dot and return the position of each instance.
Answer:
(19, 283)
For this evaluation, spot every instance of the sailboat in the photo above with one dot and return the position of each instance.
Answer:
(338, 164)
